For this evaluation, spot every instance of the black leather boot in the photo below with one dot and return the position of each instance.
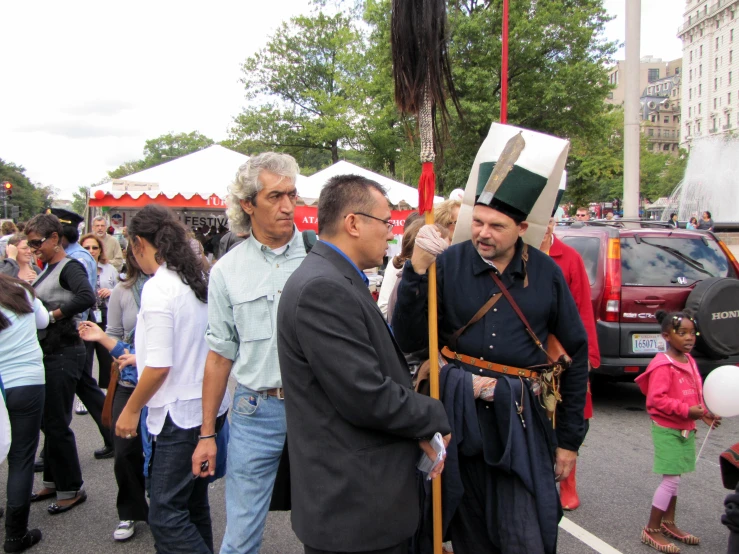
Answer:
(17, 536)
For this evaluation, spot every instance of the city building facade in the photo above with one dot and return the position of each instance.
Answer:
(710, 37)
(660, 101)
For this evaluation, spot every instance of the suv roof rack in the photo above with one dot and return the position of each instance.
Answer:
(621, 223)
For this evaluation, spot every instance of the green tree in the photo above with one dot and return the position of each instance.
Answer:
(80, 199)
(31, 198)
(163, 149)
(557, 78)
(301, 88)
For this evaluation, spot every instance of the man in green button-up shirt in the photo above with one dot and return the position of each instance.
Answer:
(244, 291)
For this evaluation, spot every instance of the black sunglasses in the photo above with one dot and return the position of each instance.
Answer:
(36, 244)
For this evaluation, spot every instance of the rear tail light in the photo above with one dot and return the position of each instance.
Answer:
(726, 250)
(631, 369)
(611, 306)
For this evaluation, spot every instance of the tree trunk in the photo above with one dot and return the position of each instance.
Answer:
(334, 152)
(391, 166)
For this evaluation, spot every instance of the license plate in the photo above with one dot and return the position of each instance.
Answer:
(648, 343)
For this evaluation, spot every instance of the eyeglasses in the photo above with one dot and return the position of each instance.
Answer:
(91, 247)
(385, 221)
(36, 244)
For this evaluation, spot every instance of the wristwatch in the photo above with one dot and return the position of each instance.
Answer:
(52, 319)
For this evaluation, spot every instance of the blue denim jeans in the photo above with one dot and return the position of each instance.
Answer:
(179, 512)
(257, 437)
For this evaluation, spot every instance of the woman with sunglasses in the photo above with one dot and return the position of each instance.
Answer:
(170, 355)
(23, 255)
(107, 277)
(65, 291)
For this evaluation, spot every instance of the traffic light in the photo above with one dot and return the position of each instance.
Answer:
(8, 187)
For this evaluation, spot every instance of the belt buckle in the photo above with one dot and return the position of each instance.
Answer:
(280, 393)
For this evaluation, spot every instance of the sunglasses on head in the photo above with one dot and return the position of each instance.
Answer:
(36, 243)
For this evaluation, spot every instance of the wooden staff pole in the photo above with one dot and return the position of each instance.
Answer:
(434, 382)
(504, 67)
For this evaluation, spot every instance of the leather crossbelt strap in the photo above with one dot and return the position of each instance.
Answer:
(520, 315)
(475, 318)
(490, 366)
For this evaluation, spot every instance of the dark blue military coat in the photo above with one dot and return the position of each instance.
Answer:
(464, 285)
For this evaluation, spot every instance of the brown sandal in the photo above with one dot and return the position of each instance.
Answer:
(647, 539)
(687, 539)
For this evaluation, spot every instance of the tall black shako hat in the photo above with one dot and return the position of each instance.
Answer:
(66, 217)
(518, 173)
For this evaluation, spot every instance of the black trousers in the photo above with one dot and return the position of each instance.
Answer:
(401, 548)
(61, 462)
(129, 466)
(25, 409)
(89, 392)
(96, 349)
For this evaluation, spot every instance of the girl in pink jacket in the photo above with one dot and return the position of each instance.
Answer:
(672, 385)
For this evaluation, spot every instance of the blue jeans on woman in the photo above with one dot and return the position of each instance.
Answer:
(179, 512)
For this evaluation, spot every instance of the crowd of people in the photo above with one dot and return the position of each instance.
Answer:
(706, 222)
(328, 417)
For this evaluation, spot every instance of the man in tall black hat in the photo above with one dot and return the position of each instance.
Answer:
(90, 396)
(500, 395)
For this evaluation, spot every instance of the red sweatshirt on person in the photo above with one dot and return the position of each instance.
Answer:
(671, 389)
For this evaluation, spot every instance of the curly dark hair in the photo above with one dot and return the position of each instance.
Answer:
(670, 321)
(160, 227)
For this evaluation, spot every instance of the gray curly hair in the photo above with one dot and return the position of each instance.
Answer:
(246, 185)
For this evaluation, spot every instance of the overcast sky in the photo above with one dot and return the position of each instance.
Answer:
(86, 83)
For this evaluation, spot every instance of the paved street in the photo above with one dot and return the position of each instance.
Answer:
(614, 472)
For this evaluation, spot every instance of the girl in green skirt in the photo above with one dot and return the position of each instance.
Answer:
(672, 385)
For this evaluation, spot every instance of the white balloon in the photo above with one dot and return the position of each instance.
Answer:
(721, 391)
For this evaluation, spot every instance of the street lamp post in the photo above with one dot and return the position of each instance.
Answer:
(631, 110)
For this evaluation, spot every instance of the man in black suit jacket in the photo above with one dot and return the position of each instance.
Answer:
(353, 419)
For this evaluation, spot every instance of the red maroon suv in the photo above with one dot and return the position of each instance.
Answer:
(638, 267)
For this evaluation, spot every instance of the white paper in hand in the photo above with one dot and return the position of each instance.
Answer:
(426, 464)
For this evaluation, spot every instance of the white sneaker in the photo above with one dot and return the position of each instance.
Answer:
(124, 531)
(79, 408)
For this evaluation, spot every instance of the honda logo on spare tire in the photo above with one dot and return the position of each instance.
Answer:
(719, 327)
(726, 315)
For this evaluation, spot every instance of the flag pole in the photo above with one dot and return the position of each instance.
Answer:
(434, 384)
(423, 85)
(426, 191)
(504, 67)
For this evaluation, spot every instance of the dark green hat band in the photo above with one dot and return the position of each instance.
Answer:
(519, 190)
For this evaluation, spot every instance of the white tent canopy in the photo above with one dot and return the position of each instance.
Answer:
(211, 170)
(205, 172)
(397, 192)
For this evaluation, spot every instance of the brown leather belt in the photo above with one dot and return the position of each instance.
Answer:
(490, 366)
(277, 393)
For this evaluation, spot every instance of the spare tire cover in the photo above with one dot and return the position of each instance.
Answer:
(715, 304)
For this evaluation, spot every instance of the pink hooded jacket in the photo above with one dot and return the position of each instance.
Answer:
(671, 389)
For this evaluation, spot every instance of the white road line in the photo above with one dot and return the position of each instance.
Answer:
(588, 538)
